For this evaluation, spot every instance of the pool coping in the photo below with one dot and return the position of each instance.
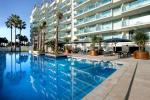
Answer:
(116, 86)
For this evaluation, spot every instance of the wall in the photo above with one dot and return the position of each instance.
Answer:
(23, 48)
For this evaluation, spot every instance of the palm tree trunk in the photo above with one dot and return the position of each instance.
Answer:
(43, 41)
(33, 42)
(56, 40)
(11, 39)
(20, 42)
(38, 42)
(15, 39)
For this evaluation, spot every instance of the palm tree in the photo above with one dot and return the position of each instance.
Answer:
(140, 39)
(9, 25)
(94, 40)
(43, 27)
(40, 38)
(59, 16)
(15, 22)
(34, 31)
(39, 30)
(99, 40)
(24, 39)
(21, 25)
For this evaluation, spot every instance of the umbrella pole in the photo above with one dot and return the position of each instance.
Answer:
(115, 48)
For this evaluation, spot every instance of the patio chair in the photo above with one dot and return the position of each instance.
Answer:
(125, 52)
(76, 50)
(108, 51)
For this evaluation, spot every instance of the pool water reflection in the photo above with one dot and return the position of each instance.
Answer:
(27, 77)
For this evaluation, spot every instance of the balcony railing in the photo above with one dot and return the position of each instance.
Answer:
(92, 6)
(102, 15)
(95, 28)
(135, 4)
(109, 26)
(80, 2)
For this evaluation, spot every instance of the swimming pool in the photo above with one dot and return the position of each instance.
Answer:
(27, 77)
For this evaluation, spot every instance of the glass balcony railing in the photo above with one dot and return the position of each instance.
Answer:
(106, 27)
(127, 23)
(80, 2)
(92, 6)
(135, 4)
(95, 28)
(65, 27)
(104, 14)
(65, 3)
(63, 34)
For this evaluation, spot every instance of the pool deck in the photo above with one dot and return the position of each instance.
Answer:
(131, 82)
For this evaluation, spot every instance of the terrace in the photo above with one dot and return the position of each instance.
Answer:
(129, 83)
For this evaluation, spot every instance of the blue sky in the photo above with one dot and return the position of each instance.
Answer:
(23, 8)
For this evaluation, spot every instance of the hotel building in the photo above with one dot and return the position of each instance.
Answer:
(84, 18)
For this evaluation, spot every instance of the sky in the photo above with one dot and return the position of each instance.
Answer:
(23, 8)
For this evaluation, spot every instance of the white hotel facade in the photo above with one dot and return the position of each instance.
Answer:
(84, 18)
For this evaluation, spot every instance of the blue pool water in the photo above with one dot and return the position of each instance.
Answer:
(27, 77)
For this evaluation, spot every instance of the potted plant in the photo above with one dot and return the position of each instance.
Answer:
(140, 39)
(93, 51)
(67, 49)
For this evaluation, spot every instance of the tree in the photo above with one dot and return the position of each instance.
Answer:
(66, 40)
(94, 40)
(25, 39)
(21, 25)
(40, 38)
(99, 40)
(15, 22)
(34, 31)
(20, 38)
(3, 41)
(140, 39)
(51, 44)
(9, 25)
(59, 16)
(43, 28)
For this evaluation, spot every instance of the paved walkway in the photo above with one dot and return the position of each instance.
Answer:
(131, 82)
(99, 58)
(141, 85)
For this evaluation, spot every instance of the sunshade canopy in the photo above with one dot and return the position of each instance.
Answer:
(116, 40)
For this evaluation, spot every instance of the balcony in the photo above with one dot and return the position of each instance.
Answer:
(79, 2)
(94, 18)
(64, 34)
(129, 24)
(65, 27)
(141, 7)
(135, 4)
(66, 3)
(82, 4)
(92, 7)
(52, 30)
(66, 21)
(95, 29)
(68, 12)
